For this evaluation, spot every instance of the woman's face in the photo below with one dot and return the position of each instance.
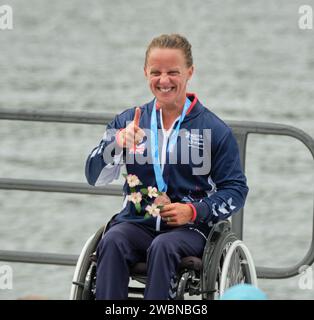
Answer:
(167, 75)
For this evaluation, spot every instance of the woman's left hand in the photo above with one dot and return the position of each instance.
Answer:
(176, 214)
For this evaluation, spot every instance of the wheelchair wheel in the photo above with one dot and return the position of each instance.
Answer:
(85, 269)
(230, 264)
(238, 267)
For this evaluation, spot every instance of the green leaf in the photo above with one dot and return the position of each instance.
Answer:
(124, 175)
(133, 189)
(147, 215)
(159, 193)
(144, 191)
(138, 207)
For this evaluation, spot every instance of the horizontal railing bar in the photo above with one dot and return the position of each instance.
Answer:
(277, 272)
(38, 257)
(58, 186)
(56, 116)
(71, 260)
(103, 118)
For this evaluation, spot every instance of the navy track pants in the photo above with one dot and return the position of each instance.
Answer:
(127, 243)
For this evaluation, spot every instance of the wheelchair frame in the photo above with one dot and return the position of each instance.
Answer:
(226, 261)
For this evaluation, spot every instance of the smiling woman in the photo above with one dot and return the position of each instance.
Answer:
(190, 202)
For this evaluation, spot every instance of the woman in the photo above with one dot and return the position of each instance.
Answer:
(176, 145)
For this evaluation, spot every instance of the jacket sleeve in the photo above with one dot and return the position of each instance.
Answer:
(104, 162)
(229, 181)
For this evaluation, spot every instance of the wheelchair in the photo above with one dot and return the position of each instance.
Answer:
(226, 261)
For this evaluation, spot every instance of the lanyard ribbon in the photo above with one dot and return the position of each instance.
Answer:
(162, 186)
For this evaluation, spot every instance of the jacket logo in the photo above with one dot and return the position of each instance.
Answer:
(195, 140)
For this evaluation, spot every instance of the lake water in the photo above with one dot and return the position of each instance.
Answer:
(252, 62)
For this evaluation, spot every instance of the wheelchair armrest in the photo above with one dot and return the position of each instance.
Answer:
(216, 230)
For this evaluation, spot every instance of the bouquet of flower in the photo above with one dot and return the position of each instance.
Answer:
(152, 209)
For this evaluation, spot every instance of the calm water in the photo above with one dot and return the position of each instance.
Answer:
(252, 63)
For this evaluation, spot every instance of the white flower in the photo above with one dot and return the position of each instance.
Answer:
(135, 197)
(132, 180)
(153, 210)
(152, 192)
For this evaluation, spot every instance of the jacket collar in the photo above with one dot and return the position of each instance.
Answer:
(192, 97)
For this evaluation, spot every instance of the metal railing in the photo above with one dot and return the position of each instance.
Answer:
(241, 130)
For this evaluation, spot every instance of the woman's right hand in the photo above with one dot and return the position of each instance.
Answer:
(132, 134)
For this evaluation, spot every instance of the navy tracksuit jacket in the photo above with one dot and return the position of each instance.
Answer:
(216, 190)
(204, 170)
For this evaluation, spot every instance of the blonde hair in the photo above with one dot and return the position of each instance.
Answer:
(172, 41)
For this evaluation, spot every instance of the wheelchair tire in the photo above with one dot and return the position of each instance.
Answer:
(82, 274)
(238, 253)
(236, 271)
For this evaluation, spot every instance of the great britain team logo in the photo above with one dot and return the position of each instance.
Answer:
(195, 140)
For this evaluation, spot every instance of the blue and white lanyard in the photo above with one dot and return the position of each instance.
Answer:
(162, 186)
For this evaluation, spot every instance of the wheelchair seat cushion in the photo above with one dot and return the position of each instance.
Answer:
(193, 263)
(139, 269)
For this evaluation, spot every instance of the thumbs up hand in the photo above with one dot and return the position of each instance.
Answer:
(132, 134)
(137, 117)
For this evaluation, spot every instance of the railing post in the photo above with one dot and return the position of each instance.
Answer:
(237, 219)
